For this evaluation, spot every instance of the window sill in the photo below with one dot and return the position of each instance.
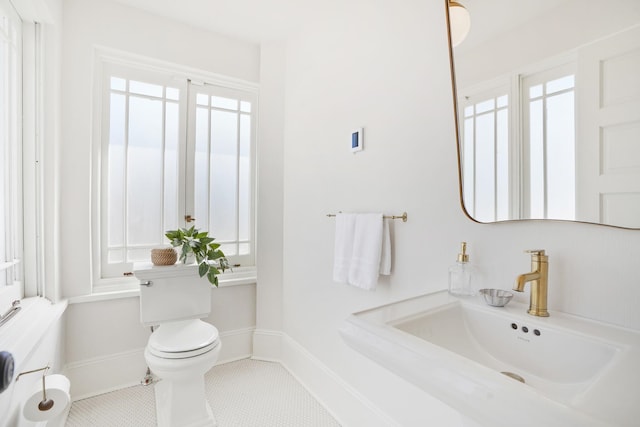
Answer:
(129, 288)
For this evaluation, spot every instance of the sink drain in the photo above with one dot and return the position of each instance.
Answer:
(514, 376)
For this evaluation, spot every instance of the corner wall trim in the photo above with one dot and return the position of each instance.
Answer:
(267, 345)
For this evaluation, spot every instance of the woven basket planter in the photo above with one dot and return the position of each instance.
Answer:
(164, 256)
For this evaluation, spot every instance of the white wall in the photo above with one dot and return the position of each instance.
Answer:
(105, 336)
(384, 66)
(270, 156)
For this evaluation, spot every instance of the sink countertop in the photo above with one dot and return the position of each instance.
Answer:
(485, 395)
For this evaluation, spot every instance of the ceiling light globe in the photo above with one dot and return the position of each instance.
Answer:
(460, 22)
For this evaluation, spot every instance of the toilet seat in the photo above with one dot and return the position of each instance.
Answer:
(183, 339)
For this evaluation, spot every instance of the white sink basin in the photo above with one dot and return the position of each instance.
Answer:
(559, 362)
(576, 372)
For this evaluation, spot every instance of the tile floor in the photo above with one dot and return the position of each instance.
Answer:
(245, 393)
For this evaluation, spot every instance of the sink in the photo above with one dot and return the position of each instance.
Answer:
(576, 372)
(559, 362)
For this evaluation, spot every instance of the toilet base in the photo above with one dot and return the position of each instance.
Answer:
(182, 404)
(180, 394)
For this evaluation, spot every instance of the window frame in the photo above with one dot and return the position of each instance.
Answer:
(210, 89)
(493, 92)
(514, 82)
(12, 267)
(526, 82)
(104, 58)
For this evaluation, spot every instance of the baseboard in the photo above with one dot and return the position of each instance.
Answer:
(91, 377)
(99, 375)
(346, 404)
(267, 345)
(236, 345)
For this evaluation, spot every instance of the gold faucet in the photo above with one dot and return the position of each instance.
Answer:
(539, 283)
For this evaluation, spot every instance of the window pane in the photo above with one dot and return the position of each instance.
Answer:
(502, 165)
(118, 84)
(468, 163)
(485, 106)
(229, 249)
(536, 160)
(561, 172)
(144, 170)
(224, 174)
(116, 173)
(116, 256)
(173, 94)
(244, 184)
(244, 249)
(535, 91)
(172, 124)
(227, 103)
(202, 99)
(138, 255)
(562, 83)
(485, 168)
(245, 106)
(201, 172)
(142, 88)
(468, 111)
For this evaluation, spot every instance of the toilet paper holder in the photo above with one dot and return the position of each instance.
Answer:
(45, 404)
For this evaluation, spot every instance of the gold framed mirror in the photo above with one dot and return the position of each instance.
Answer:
(547, 109)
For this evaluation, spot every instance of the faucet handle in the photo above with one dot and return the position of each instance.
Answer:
(535, 251)
(537, 255)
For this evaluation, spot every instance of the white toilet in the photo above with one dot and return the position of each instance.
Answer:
(183, 348)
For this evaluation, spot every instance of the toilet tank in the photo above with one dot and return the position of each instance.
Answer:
(175, 292)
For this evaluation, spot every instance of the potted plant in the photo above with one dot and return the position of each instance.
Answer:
(210, 259)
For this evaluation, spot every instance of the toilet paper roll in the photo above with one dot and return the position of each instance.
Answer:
(57, 387)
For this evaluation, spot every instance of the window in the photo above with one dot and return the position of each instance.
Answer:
(174, 153)
(549, 145)
(485, 151)
(10, 145)
(511, 174)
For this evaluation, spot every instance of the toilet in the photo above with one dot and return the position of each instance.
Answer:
(182, 347)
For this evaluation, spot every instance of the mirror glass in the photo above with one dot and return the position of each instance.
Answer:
(548, 110)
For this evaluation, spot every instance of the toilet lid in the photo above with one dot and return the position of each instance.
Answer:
(183, 339)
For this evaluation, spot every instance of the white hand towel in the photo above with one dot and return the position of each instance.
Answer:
(343, 246)
(385, 256)
(367, 250)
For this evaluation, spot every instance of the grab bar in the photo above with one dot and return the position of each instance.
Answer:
(15, 307)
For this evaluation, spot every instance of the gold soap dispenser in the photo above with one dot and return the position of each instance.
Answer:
(461, 275)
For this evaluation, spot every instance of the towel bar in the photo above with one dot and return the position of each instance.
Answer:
(403, 217)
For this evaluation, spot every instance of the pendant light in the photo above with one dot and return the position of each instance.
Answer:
(460, 22)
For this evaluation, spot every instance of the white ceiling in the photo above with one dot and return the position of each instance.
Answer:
(490, 18)
(251, 20)
(263, 20)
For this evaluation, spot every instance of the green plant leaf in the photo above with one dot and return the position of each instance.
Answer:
(207, 254)
(203, 269)
(213, 279)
